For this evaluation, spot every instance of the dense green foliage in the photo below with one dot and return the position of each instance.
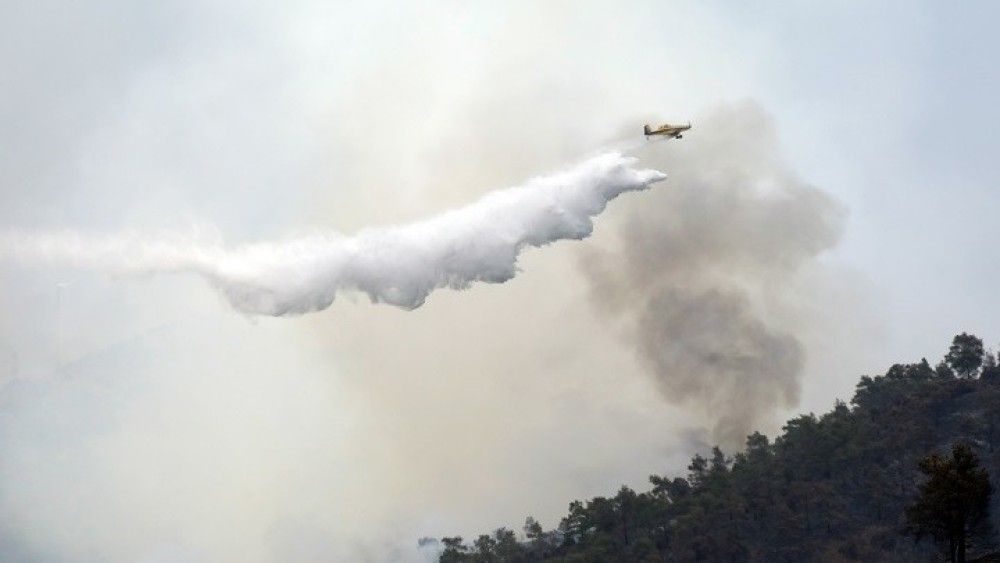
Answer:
(830, 488)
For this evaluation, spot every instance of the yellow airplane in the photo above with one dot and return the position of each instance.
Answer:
(667, 130)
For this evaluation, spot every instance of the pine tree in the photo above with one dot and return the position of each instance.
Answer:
(965, 355)
(954, 501)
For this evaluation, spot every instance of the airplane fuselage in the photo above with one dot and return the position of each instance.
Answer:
(666, 130)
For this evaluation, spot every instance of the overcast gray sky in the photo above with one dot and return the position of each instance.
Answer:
(141, 419)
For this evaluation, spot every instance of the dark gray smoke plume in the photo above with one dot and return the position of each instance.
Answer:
(705, 277)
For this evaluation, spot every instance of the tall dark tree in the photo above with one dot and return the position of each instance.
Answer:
(991, 372)
(965, 355)
(953, 504)
(943, 370)
(454, 550)
(486, 548)
(533, 530)
(697, 471)
(506, 546)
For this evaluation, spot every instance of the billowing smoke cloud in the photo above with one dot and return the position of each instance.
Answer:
(706, 276)
(400, 266)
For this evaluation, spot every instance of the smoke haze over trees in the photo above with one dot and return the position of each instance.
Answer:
(141, 419)
(848, 485)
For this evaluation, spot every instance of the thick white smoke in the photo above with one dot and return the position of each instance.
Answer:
(396, 265)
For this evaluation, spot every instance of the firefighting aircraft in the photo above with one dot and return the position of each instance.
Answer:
(667, 130)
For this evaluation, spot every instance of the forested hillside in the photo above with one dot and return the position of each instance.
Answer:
(843, 486)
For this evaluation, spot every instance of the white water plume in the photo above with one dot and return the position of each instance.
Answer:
(397, 265)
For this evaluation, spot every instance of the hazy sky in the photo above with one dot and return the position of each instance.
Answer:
(141, 419)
